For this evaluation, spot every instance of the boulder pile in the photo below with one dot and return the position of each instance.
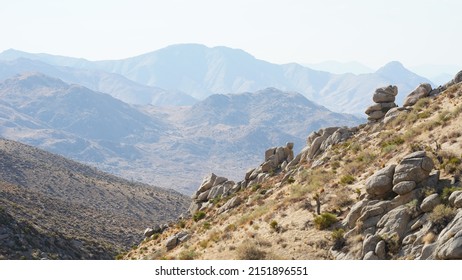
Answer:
(387, 222)
(384, 98)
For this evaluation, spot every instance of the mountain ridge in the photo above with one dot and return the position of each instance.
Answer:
(201, 71)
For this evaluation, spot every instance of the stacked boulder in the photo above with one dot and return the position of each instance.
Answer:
(384, 98)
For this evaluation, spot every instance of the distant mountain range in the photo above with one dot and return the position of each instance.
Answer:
(152, 144)
(200, 71)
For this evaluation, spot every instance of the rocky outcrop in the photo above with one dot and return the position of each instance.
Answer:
(381, 182)
(422, 91)
(150, 231)
(414, 167)
(384, 98)
(318, 142)
(394, 218)
(176, 239)
(211, 188)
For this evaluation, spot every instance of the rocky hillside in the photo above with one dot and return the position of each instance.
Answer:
(56, 208)
(387, 189)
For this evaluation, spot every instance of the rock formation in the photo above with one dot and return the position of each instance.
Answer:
(384, 98)
(423, 90)
(387, 222)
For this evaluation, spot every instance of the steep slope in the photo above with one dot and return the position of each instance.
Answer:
(98, 213)
(201, 71)
(383, 190)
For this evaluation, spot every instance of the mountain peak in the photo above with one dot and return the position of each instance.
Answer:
(35, 80)
(391, 66)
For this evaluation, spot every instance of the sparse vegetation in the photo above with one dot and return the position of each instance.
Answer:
(441, 216)
(338, 238)
(249, 251)
(347, 179)
(325, 220)
(199, 215)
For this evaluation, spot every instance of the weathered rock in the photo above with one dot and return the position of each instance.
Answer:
(395, 222)
(431, 181)
(269, 153)
(450, 239)
(430, 202)
(376, 115)
(369, 244)
(148, 232)
(248, 173)
(203, 196)
(354, 214)
(370, 256)
(380, 250)
(207, 183)
(456, 195)
(414, 167)
(171, 242)
(219, 180)
(405, 198)
(267, 166)
(458, 78)
(233, 202)
(381, 182)
(423, 90)
(381, 97)
(194, 207)
(428, 251)
(404, 187)
(391, 90)
(393, 113)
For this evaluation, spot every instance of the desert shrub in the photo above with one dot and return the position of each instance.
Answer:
(392, 244)
(441, 215)
(181, 224)
(315, 179)
(249, 251)
(421, 104)
(198, 216)
(396, 140)
(187, 255)
(256, 187)
(446, 193)
(231, 227)
(274, 225)
(291, 180)
(347, 179)
(325, 220)
(338, 238)
(206, 225)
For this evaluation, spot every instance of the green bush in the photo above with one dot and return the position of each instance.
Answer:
(347, 179)
(198, 216)
(338, 238)
(325, 220)
(441, 215)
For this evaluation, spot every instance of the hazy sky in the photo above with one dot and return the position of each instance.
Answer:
(371, 32)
